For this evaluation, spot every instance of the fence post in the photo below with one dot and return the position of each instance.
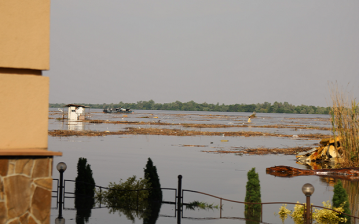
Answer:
(100, 195)
(179, 197)
(61, 196)
(220, 209)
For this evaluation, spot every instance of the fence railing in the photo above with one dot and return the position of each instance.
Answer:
(178, 200)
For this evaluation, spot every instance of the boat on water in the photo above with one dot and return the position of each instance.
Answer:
(118, 110)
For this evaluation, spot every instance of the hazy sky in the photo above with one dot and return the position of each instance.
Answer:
(202, 50)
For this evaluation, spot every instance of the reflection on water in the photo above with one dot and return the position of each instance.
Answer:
(312, 165)
(83, 207)
(352, 189)
(75, 125)
(148, 212)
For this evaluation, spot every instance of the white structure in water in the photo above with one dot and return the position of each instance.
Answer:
(75, 112)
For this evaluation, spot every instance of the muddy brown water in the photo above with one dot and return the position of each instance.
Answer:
(225, 175)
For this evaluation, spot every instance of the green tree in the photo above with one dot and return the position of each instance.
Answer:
(340, 199)
(85, 183)
(253, 192)
(84, 191)
(154, 181)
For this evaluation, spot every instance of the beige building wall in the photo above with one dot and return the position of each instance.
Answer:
(24, 92)
(25, 34)
(24, 109)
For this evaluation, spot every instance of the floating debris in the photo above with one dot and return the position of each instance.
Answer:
(194, 145)
(351, 173)
(175, 132)
(327, 151)
(253, 115)
(263, 151)
(189, 125)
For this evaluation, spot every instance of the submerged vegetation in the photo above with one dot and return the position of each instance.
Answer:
(134, 197)
(201, 205)
(276, 107)
(125, 194)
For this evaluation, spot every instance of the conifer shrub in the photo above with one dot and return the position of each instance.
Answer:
(85, 183)
(340, 199)
(154, 181)
(84, 191)
(253, 193)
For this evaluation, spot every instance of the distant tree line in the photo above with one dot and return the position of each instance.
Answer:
(193, 106)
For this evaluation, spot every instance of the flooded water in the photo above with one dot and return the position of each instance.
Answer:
(225, 175)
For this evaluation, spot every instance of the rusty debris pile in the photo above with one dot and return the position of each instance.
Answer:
(328, 151)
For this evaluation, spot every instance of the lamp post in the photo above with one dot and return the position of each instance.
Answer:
(61, 167)
(59, 220)
(308, 190)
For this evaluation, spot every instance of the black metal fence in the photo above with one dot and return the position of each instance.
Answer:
(178, 201)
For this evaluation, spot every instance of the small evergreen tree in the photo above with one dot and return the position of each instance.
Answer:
(84, 191)
(155, 195)
(253, 193)
(152, 176)
(340, 196)
(84, 181)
